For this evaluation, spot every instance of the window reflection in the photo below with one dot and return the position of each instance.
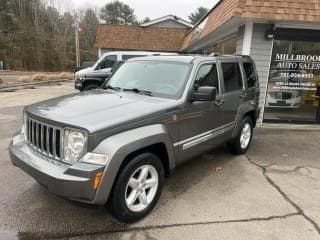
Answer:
(293, 81)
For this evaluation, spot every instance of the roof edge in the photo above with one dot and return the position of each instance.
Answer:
(168, 17)
(139, 26)
(205, 16)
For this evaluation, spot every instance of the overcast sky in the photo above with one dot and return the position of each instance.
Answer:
(147, 8)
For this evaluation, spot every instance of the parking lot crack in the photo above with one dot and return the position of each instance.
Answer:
(283, 194)
(280, 169)
(126, 228)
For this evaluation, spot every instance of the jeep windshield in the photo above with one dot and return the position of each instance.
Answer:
(152, 78)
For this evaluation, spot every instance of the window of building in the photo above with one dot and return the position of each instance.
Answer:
(232, 77)
(207, 76)
(294, 79)
(251, 75)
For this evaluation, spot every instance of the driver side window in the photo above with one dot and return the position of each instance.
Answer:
(207, 77)
(107, 62)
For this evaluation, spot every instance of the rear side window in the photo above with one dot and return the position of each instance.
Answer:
(232, 77)
(127, 57)
(207, 77)
(250, 74)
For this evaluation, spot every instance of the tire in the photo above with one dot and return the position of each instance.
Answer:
(90, 86)
(241, 143)
(123, 193)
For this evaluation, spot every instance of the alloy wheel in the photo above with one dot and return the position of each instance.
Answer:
(141, 188)
(245, 136)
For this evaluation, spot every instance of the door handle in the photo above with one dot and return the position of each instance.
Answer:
(219, 102)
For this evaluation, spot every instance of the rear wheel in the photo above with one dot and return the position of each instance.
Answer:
(137, 188)
(241, 143)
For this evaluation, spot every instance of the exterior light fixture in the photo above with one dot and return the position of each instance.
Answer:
(271, 32)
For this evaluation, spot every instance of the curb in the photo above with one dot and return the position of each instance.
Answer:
(295, 127)
(28, 85)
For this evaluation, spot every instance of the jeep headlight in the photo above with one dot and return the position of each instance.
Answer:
(75, 143)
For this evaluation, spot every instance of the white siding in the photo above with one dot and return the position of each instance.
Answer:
(261, 51)
(103, 51)
(240, 35)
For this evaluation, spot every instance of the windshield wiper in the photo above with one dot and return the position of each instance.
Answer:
(136, 90)
(113, 88)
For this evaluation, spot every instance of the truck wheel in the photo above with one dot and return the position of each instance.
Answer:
(137, 188)
(89, 87)
(241, 143)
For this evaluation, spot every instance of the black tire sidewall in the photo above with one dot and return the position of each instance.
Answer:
(118, 205)
(239, 148)
(235, 145)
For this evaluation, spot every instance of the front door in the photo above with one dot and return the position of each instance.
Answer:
(198, 119)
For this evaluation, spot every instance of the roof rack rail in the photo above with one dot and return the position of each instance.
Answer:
(242, 55)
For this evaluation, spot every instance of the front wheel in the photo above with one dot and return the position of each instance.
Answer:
(138, 188)
(241, 143)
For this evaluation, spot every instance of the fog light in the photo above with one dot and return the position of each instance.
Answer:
(95, 158)
(97, 180)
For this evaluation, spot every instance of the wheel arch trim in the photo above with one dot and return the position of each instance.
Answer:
(244, 109)
(119, 146)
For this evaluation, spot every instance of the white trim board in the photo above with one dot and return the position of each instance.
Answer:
(247, 38)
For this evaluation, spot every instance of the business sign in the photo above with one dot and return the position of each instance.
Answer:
(294, 71)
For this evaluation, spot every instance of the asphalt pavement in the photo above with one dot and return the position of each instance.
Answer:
(272, 192)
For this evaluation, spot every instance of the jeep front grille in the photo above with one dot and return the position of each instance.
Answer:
(44, 138)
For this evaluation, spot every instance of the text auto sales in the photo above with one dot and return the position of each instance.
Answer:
(303, 62)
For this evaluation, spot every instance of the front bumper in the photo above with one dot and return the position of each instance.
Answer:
(286, 104)
(78, 84)
(71, 181)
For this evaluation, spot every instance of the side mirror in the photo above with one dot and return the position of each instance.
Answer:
(205, 94)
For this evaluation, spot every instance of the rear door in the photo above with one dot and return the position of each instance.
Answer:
(251, 79)
(233, 91)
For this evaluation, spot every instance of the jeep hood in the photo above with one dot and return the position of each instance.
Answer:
(83, 71)
(99, 110)
(90, 72)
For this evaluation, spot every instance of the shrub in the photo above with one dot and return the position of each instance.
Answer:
(53, 76)
(67, 75)
(1, 81)
(24, 79)
(40, 77)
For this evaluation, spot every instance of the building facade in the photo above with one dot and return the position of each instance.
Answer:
(168, 21)
(283, 38)
(165, 34)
